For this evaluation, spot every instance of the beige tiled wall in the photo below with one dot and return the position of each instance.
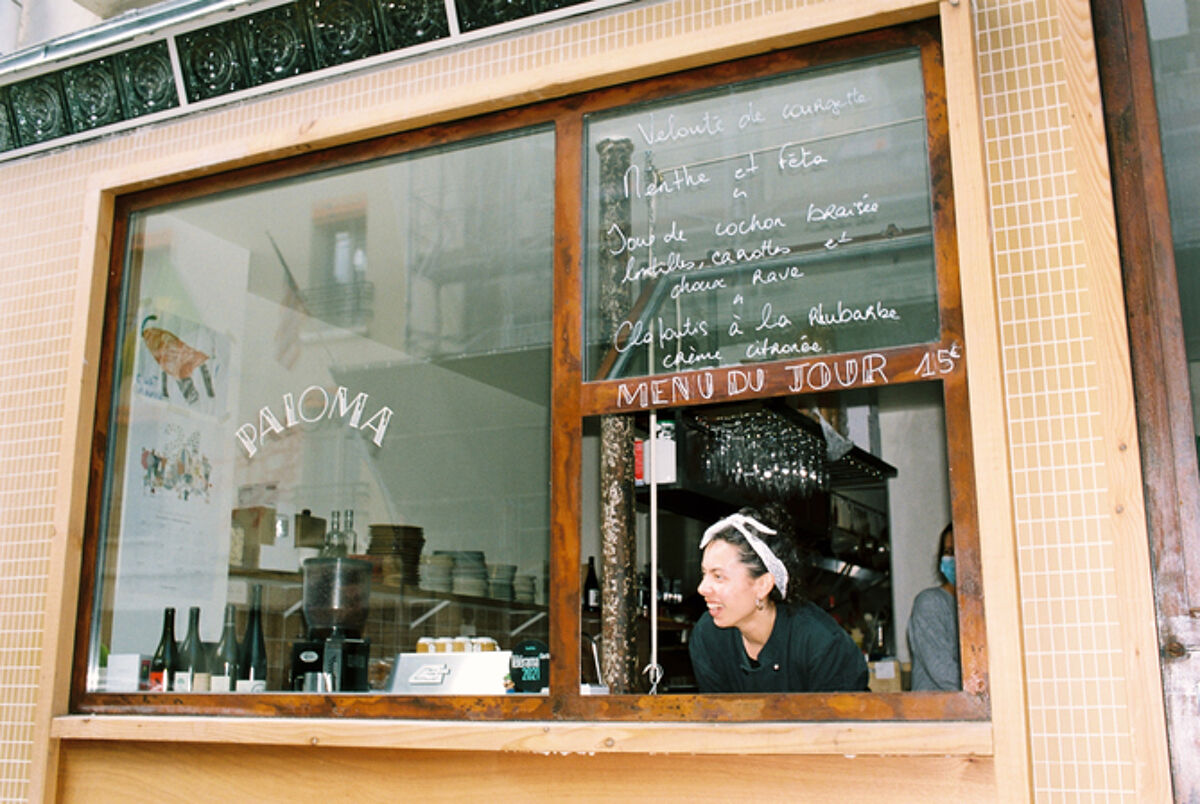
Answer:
(1057, 354)
(1052, 261)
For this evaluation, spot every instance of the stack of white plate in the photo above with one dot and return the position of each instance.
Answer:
(500, 581)
(525, 588)
(436, 571)
(470, 575)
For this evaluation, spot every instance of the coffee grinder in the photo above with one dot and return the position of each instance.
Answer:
(335, 656)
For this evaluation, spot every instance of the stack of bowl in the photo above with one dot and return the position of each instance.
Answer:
(398, 549)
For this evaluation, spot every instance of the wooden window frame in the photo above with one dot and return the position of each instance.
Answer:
(572, 399)
(1158, 358)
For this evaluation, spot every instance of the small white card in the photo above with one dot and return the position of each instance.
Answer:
(124, 672)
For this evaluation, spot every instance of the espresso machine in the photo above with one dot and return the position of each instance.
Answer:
(335, 656)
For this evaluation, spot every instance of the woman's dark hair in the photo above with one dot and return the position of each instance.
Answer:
(782, 544)
(937, 559)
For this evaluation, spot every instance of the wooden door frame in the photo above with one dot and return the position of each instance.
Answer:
(1166, 433)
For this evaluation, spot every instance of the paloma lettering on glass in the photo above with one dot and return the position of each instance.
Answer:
(778, 220)
(314, 404)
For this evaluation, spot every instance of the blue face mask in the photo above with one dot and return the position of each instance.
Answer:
(946, 566)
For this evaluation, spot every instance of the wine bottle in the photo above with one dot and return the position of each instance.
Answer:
(349, 535)
(164, 661)
(192, 674)
(643, 590)
(879, 647)
(335, 539)
(224, 667)
(252, 656)
(591, 587)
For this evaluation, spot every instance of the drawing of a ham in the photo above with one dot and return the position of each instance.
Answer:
(177, 359)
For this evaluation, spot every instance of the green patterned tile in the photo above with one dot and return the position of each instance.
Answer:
(8, 130)
(476, 14)
(410, 22)
(146, 80)
(39, 109)
(277, 44)
(212, 62)
(93, 98)
(342, 30)
(550, 5)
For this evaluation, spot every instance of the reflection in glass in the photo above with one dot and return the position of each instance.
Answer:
(368, 347)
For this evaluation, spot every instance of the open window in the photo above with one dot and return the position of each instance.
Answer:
(496, 348)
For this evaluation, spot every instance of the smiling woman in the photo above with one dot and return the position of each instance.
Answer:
(757, 635)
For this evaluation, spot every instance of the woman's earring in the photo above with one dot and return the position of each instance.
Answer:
(760, 603)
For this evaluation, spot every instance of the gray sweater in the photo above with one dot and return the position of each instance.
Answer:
(933, 641)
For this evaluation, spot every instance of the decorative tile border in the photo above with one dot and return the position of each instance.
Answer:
(8, 128)
(146, 80)
(93, 95)
(234, 56)
(40, 109)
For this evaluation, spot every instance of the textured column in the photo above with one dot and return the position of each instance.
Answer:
(618, 618)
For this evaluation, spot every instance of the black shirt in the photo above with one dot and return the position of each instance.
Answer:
(806, 652)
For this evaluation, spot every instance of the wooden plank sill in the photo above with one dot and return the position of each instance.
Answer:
(951, 738)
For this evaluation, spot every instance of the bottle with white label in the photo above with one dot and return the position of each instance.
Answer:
(252, 657)
(591, 587)
(192, 674)
(224, 665)
(162, 666)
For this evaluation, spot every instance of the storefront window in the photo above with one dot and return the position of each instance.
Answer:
(350, 364)
(507, 371)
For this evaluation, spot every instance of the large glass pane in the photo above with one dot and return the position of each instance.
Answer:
(354, 363)
(763, 221)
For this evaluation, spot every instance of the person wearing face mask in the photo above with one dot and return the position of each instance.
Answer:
(933, 627)
(757, 634)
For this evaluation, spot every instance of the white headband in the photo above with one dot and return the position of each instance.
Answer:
(743, 524)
